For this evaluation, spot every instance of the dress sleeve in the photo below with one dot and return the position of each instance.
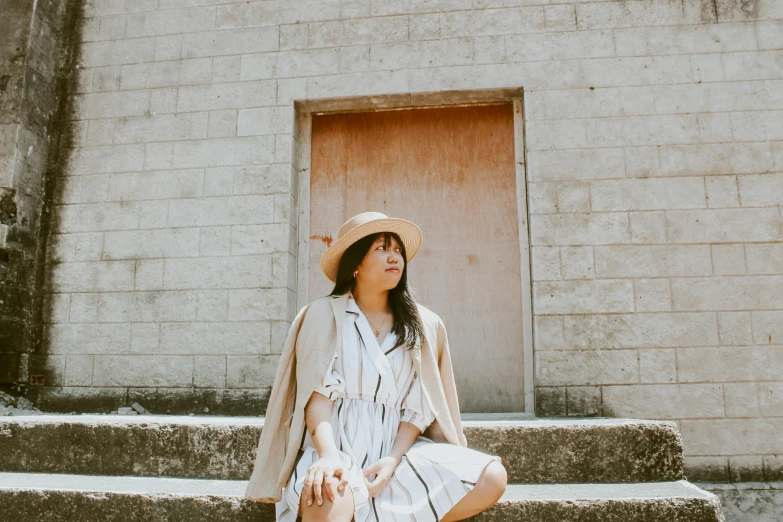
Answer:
(415, 408)
(332, 385)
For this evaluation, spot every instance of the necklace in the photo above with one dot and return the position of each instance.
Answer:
(376, 330)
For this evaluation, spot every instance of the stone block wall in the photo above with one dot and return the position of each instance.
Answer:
(34, 54)
(654, 142)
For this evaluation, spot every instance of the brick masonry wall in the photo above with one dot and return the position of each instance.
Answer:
(654, 137)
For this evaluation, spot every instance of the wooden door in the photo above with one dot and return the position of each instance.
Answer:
(451, 171)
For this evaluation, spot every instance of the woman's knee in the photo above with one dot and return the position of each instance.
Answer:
(341, 510)
(494, 478)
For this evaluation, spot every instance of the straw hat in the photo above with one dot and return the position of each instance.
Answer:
(365, 224)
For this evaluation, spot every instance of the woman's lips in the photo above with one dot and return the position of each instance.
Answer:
(395, 270)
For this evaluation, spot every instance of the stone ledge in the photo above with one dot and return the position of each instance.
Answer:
(139, 498)
(164, 401)
(533, 451)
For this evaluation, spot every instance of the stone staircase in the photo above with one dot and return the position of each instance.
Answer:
(172, 468)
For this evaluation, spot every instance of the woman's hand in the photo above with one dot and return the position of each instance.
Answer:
(324, 472)
(384, 467)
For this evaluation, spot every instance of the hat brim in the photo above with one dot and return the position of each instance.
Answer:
(410, 234)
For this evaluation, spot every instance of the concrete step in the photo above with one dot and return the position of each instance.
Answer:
(533, 451)
(30, 496)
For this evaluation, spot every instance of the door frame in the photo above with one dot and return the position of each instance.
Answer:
(304, 109)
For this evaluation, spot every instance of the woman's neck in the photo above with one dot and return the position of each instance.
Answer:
(370, 301)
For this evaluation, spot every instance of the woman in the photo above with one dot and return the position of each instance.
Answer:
(369, 394)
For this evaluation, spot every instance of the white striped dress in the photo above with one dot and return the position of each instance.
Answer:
(373, 387)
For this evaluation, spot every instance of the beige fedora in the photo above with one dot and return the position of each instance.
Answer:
(365, 224)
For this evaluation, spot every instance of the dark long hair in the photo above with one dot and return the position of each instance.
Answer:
(407, 323)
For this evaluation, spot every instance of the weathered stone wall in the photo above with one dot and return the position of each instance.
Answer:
(749, 501)
(15, 23)
(33, 54)
(654, 138)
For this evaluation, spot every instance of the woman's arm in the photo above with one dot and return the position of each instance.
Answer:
(415, 416)
(406, 436)
(385, 466)
(318, 419)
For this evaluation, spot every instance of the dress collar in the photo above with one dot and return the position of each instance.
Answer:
(352, 306)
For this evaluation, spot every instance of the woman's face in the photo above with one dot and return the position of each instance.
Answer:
(382, 266)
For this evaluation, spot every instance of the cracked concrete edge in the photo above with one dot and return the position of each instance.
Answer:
(165, 506)
(224, 449)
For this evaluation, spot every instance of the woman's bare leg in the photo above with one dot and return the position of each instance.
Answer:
(341, 510)
(488, 489)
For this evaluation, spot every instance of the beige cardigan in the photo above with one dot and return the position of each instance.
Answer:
(309, 348)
